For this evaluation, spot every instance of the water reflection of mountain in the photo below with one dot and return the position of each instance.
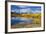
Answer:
(20, 20)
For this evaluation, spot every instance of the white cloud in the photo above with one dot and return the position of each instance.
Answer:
(36, 11)
(12, 10)
(28, 10)
(23, 10)
(16, 10)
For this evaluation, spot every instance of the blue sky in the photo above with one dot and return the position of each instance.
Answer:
(25, 9)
